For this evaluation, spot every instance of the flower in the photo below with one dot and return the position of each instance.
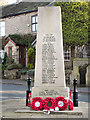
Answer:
(49, 103)
(70, 103)
(29, 100)
(37, 103)
(61, 103)
(69, 94)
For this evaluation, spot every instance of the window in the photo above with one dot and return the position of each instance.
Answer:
(10, 52)
(67, 55)
(34, 23)
(2, 28)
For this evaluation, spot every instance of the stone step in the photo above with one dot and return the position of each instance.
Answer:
(76, 111)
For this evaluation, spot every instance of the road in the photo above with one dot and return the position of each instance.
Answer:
(10, 91)
(18, 91)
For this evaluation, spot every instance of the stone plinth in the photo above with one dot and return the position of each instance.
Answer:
(54, 92)
(49, 68)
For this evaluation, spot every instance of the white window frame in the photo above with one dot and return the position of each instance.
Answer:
(67, 55)
(2, 28)
(34, 20)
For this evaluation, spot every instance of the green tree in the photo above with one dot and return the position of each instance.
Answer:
(31, 58)
(74, 22)
(4, 59)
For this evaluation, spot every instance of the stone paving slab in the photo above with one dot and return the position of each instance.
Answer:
(75, 112)
(9, 108)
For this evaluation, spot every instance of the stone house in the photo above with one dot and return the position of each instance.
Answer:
(16, 51)
(20, 19)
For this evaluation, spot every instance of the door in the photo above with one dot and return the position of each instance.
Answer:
(22, 55)
(82, 72)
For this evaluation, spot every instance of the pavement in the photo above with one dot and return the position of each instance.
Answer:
(16, 108)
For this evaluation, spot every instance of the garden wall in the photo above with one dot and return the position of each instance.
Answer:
(77, 62)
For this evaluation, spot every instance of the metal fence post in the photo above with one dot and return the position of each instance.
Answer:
(75, 94)
(29, 89)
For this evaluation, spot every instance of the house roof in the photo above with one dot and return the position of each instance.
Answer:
(9, 39)
(24, 40)
(13, 41)
(21, 8)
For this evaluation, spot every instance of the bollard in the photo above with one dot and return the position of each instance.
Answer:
(29, 84)
(75, 94)
(29, 89)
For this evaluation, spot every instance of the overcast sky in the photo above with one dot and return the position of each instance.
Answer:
(5, 2)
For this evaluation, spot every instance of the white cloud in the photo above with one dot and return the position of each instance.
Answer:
(11, 1)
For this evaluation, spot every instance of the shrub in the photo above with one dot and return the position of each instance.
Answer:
(4, 59)
(31, 58)
(23, 72)
(14, 66)
(30, 66)
(31, 72)
(9, 61)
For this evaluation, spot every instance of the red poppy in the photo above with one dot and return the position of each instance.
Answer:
(70, 103)
(29, 100)
(61, 103)
(49, 103)
(69, 94)
(37, 103)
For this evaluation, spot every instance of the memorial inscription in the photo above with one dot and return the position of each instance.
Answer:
(48, 59)
(49, 66)
(47, 93)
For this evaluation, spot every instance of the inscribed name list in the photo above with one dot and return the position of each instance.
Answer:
(48, 59)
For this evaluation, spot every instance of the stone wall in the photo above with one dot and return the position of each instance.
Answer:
(80, 62)
(24, 77)
(15, 51)
(10, 74)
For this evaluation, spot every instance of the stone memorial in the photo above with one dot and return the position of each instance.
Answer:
(49, 67)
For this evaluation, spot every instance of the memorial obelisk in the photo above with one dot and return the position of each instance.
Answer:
(49, 66)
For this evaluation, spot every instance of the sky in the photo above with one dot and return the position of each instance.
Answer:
(5, 2)
(11, 1)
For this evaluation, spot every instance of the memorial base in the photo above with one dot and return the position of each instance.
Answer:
(53, 92)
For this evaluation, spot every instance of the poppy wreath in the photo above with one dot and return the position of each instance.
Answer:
(61, 103)
(37, 103)
(29, 100)
(70, 105)
(69, 94)
(49, 103)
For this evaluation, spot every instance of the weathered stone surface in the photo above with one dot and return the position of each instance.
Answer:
(54, 92)
(49, 68)
(77, 62)
(10, 74)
